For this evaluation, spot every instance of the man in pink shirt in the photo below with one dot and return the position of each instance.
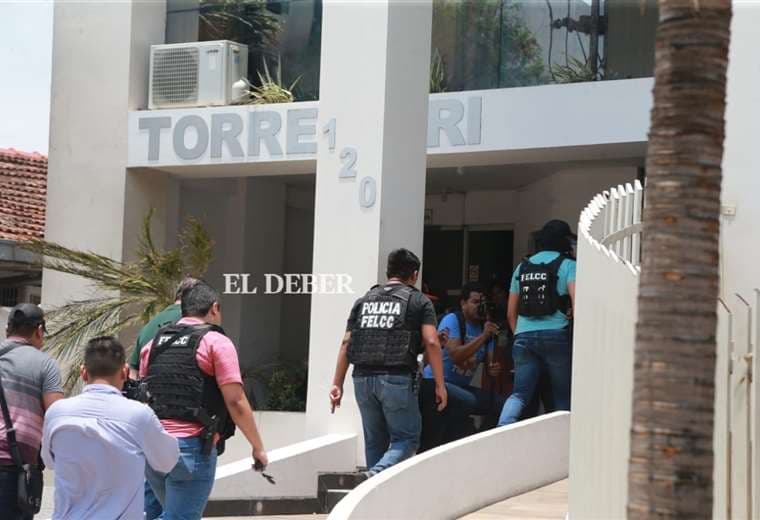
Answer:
(194, 385)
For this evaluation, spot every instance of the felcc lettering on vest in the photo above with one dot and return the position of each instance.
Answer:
(179, 341)
(529, 277)
(379, 315)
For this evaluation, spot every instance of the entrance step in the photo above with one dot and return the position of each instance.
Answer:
(332, 487)
(332, 497)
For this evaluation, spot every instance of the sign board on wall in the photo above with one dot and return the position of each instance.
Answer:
(533, 118)
(236, 134)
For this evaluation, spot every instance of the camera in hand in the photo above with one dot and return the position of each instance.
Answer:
(132, 390)
(486, 310)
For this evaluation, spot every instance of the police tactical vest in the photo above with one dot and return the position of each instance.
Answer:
(176, 386)
(381, 336)
(538, 288)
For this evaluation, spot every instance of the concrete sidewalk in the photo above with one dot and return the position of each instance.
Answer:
(547, 503)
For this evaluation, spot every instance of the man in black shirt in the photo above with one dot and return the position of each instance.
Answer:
(386, 331)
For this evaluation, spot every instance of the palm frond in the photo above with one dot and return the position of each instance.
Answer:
(128, 293)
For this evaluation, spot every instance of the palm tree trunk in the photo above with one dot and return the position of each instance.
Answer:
(671, 463)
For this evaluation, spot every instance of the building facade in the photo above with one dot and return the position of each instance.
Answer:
(452, 128)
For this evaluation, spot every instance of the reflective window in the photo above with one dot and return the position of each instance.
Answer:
(476, 44)
(512, 43)
(283, 36)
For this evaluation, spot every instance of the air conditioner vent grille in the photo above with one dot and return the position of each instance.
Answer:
(175, 76)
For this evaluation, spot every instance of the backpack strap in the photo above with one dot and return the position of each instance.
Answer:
(462, 325)
(10, 431)
(557, 263)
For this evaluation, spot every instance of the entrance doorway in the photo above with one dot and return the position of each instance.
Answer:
(455, 256)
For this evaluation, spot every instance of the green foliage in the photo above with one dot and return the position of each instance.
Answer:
(242, 21)
(287, 389)
(270, 90)
(438, 73)
(126, 293)
(521, 63)
(486, 44)
(576, 71)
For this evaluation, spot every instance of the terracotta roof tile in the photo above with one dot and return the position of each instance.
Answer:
(23, 193)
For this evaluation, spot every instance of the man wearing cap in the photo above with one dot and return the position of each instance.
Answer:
(31, 383)
(541, 297)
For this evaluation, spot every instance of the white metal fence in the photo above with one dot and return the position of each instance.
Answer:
(609, 237)
(737, 394)
(605, 316)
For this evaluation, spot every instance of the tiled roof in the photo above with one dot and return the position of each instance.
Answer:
(23, 189)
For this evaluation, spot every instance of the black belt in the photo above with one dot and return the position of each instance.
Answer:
(8, 468)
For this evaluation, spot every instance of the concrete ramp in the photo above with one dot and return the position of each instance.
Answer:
(467, 475)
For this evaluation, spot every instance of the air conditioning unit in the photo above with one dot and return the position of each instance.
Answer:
(195, 74)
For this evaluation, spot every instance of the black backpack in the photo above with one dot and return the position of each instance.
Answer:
(538, 288)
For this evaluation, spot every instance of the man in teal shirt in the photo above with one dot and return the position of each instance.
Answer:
(168, 315)
(541, 296)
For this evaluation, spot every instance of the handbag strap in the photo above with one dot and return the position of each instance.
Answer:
(10, 431)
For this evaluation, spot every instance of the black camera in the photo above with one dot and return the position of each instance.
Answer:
(132, 390)
(486, 310)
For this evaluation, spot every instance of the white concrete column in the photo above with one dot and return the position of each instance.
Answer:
(100, 72)
(374, 89)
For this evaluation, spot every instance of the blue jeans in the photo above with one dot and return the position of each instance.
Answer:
(533, 353)
(471, 400)
(390, 418)
(8, 496)
(153, 507)
(184, 491)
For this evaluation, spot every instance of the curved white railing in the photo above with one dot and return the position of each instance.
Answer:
(466, 475)
(606, 311)
(613, 219)
(609, 239)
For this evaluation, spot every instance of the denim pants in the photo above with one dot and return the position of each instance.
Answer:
(390, 418)
(153, 507)
(534, 353)
(454, 421)
(8, 496)
(471, 400)
(184, 491)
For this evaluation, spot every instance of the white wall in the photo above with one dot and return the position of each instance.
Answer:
(474, 207)
(737, 396)
(91, 98)
(523, 124)
(561, 195)
(740, 253)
